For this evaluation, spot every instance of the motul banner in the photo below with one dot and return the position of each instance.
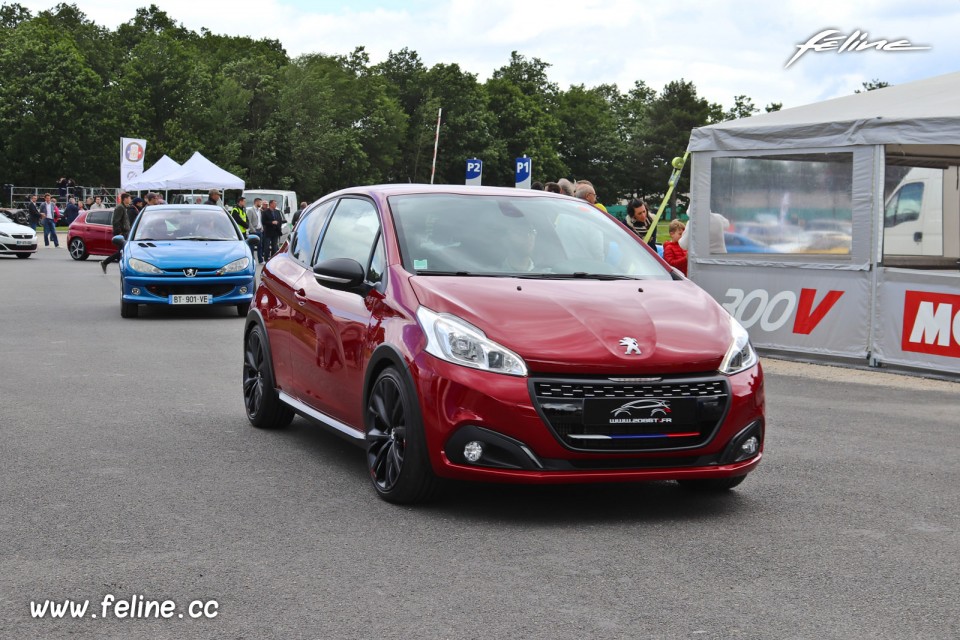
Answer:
(132, 151)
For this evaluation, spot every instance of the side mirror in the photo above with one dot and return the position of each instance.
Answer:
(119, 242)
(286, 209)
(339, 273)
(253, 241)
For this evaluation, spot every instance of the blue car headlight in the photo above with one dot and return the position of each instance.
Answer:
(235, 267)
(143, 267)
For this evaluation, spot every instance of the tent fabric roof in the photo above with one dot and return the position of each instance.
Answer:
(922, 112)
(200, 173)
(150, 179)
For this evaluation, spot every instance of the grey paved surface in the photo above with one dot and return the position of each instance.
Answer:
(127, 468)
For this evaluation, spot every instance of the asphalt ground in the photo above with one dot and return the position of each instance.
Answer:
(127, 467)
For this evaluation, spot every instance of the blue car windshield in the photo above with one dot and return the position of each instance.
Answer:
(184, 224)
(529, 237)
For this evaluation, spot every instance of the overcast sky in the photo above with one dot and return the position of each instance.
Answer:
(725, 48)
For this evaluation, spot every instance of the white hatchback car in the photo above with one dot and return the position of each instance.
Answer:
(16, 238)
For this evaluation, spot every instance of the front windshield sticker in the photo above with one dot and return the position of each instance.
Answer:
(420, 264)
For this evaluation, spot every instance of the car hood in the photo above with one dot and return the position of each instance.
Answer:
(177, 254)
(576, 326)
(12, 228)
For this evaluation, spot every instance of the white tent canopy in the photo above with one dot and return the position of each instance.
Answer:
(922, 112)
(152, 177)
(200, 173)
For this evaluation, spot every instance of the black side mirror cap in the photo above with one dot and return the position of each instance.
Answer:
(339, 273)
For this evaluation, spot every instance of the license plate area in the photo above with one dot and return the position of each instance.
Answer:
(24, 242)
(190, 298)
(640, 416)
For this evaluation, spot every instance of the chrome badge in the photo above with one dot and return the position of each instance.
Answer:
(631, 345)
(189, 272)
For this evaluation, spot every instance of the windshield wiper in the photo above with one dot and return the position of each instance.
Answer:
(577, 275)
(202, 239)
(462, 274)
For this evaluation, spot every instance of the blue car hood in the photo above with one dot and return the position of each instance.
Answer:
(180, 254)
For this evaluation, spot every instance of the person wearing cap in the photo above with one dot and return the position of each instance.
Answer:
(214, 198)
(138, 205)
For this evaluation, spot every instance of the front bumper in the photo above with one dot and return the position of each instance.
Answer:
(147, 289)
(461, 405)
(9, 245)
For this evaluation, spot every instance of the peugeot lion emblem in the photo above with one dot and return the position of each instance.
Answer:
(189, 272)
(631, 345)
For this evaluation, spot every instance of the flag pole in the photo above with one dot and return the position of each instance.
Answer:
(436, 143)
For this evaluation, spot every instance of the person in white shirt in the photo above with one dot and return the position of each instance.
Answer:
(718, 224)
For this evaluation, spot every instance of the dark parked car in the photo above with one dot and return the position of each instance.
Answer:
(501, 335)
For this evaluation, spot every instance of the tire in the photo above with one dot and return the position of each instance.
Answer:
(129, 310)
(396, 446)
(243, 309)
(260, 399)
(717, 485)
(24, 256)
(78, 250)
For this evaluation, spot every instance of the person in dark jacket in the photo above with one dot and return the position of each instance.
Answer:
(34, 212)
(272, 221)
(121, 227)
(71, 211)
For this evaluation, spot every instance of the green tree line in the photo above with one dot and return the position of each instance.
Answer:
(70, 89)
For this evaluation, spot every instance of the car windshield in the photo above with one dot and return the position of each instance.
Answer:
(4, 218)
(532, 237)
(184, 224)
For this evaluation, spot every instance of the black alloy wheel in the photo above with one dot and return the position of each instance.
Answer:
(396, 450)
(264, 407)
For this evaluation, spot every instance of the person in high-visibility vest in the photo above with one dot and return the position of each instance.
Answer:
(239, 214)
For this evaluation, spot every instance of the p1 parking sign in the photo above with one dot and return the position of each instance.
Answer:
(524, 171)
(474, 172)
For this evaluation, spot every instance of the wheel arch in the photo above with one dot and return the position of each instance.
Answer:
(255, 319)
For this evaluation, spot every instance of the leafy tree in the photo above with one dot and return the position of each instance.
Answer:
(773, 106)
(589, 142)
(524, 103)
(870, 85)
(743, 107)
(12, 15)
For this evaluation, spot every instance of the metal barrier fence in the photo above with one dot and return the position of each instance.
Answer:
(17, 197)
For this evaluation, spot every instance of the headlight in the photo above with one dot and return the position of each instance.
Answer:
(235, 266)
(454, 340)
(740, 356)
(143, 267)
(5, 234)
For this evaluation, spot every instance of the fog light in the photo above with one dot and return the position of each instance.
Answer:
(750, 445)
(135, 291)
(473, 451)
(243, 289)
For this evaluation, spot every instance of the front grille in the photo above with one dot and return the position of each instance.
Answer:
(215, 290)
(22, 236)
(657, 415)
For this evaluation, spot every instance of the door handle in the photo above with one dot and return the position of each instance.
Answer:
(301, 296)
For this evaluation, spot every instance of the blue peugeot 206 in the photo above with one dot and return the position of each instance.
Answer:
(185, 255)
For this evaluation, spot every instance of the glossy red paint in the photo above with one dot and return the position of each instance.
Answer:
(95, 229)
(326, 346)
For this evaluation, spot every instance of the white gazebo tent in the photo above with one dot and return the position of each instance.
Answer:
(152, 177)
(836, 162)
(200, 173)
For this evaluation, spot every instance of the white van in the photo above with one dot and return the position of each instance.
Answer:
(287, 203)
(913, 215)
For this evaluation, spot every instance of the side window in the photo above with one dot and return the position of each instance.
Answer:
(351, 231)
(905, 206)
(308, 231)
(377, 263)
(100, 216)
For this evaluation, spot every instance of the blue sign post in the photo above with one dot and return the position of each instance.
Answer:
(474, 172)
(524, 172)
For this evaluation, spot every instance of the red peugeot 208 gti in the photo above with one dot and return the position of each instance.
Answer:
(500, 335)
